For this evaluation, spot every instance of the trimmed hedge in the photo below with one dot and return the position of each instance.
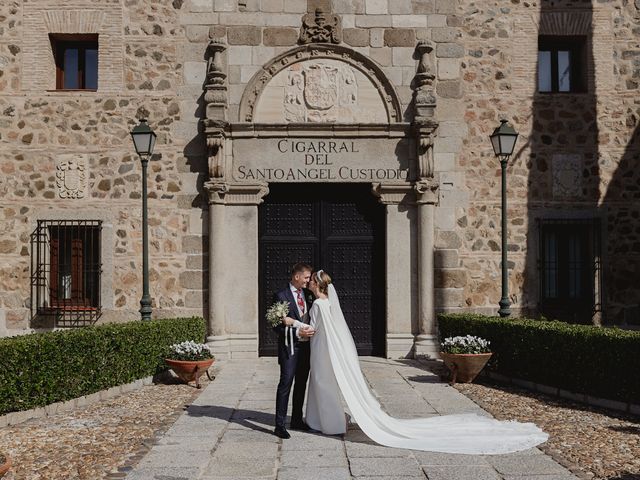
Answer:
(44, 368)
(602, 362)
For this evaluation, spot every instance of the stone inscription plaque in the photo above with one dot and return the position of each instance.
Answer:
(322, 160)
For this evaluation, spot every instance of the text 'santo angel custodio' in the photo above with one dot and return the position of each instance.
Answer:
(321, 160)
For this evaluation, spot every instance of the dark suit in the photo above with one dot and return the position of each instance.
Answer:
(292, 367)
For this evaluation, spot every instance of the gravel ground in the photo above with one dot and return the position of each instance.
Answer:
(596, 443)
(98, 442)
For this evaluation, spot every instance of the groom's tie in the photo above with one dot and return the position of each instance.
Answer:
(300, 301)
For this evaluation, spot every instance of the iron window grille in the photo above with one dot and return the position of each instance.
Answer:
(65, 273)
(570, 270)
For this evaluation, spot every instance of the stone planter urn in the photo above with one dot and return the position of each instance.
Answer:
(465, 367)
(190, 370)
(5, 464)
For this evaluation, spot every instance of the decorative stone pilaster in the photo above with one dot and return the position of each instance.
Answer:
(320, 27)
(226, 203)
(215, 98)
(400, 289)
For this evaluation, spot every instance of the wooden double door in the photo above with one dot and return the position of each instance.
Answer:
(339, 228)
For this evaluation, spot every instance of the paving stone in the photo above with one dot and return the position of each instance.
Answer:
(310, 441)
(231, 466)
(373, 450)
(525, 465)
(171, 473)
(334, 473)
(313, 458)
(385, 466)
(461, 473)
(450, 459)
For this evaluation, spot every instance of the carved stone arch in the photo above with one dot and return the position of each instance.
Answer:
(360, 62)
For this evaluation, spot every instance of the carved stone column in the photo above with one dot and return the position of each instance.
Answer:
(426, 342)
(426, 186)
(215, 127)
(217, 338)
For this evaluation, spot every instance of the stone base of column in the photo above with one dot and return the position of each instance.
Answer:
(399, 345)
(234, 345)
(427, 346)
(219, 346)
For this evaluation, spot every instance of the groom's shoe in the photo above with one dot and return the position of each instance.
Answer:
(300, 425)
(281, 432)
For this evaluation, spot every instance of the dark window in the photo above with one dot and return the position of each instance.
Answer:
(76, 58)
(570, 270)
(562, 64)
(66, 271)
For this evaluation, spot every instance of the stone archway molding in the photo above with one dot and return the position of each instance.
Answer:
(373, 72)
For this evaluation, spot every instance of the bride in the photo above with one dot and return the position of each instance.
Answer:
(335, 373)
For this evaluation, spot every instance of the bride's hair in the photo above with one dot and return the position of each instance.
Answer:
(323, 280)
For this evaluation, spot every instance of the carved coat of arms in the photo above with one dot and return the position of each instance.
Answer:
(70, 177)
(320, 86)
(320, 92)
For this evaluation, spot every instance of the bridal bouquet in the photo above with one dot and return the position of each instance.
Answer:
(468, 344)
(276, 312)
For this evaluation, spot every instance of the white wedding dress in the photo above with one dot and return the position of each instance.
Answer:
(335, 370)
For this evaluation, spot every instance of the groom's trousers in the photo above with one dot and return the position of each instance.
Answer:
(294, 370)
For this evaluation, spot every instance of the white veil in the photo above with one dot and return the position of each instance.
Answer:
(464, 433)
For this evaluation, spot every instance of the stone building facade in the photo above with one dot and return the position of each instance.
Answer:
(252, 99)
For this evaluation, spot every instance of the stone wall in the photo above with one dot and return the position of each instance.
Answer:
(141, 74)
(153, 63)
(589, 139)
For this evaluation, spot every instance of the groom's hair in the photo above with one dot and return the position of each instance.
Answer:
(300, 268)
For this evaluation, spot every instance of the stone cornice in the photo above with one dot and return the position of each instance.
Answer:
(269, 130)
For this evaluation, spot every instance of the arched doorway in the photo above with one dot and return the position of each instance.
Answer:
(339, 228)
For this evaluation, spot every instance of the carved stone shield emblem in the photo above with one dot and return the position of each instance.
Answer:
(70, 176)
(320, 86)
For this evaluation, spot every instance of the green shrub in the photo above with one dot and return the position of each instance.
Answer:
(602, 362)
(43, 368)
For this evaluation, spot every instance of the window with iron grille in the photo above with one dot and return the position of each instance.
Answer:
(65, 272)
(570, 270)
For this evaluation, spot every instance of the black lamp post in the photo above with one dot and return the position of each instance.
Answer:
(144, 139)
(503, 140)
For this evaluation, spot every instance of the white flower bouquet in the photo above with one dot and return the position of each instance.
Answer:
(276, 312)
(189, 351)
(467, 344)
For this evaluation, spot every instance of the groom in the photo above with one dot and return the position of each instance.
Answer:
(293, 350)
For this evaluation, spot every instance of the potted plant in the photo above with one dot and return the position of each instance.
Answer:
(465, 357)
(5, 463)
(189, 360)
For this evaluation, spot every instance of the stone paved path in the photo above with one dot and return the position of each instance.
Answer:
(226, 434)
